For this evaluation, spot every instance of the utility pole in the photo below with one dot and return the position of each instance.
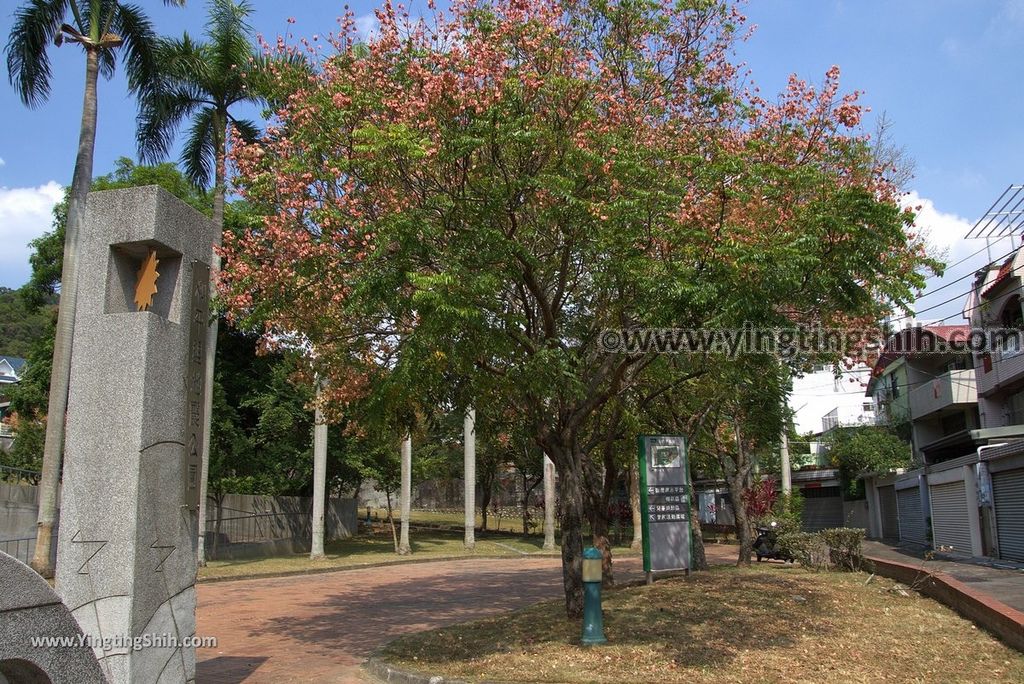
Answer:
(469, 477)
(549, 504)
(316, 547)
(404, 549)
(787, 477)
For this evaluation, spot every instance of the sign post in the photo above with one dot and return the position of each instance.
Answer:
(664, 503)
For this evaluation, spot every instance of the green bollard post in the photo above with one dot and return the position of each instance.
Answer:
(593, 622)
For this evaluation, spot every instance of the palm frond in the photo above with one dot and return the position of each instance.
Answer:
(198, 155)
(160, 115)
(228, 33)
(28, 64)
(183, 61)
(108, 63)
(247, 129)
(140, 41)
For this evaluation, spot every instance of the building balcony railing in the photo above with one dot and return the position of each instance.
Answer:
(950, 389)
(1000, 369)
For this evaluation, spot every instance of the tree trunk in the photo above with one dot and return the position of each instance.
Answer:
(736, 483)
(403, 543)
(599, 535)
(316, 549)
(391, 519)
(549, 504)
(218, 524)
(469, 478)
(597, 509)
(49, 483)
(570, 495)
(486, 489)
(700, 560)
(634, 505)
(220, 175)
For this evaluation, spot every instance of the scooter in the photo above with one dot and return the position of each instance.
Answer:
(765, 546)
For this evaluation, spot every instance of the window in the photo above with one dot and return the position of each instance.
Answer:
(868, 407)
(1011, 321)
(894, 387)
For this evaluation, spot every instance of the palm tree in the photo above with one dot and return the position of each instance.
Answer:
(100, 27)
(203, 81)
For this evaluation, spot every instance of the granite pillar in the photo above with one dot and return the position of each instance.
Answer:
(126, 565)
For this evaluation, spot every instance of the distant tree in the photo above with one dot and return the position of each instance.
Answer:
(866, 449)
(22, 326)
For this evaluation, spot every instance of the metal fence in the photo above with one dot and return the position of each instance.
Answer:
(258, 527)
(19, 475)
(22, 549)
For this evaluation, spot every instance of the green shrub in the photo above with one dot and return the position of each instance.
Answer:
(788, 511)
(837, 548)
(806, 548)
(844, 544)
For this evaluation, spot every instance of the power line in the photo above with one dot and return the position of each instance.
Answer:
(963, 277)
(952, 299)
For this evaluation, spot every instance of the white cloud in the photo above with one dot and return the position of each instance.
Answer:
(25, 214)
(942, 231)
(2, 162)
(945, 234)
(368, 26)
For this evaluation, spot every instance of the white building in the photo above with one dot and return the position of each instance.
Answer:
(821, 400)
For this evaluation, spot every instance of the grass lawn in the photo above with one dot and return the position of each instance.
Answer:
(379, 548)
(728, 625)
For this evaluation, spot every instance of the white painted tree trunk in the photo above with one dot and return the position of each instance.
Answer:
(403, 541)
(319, 482)
(549, 504)
(634, 506)
(469, 476)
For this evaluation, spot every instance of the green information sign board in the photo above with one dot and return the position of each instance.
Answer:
(665, 502)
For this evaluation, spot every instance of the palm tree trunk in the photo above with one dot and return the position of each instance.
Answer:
(49, 484)
(549, 504)
(220, 128)
(634, 505)
(316, 549)
(469, 478)
(403, 543)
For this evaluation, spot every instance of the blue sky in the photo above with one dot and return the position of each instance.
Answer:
(946, 73)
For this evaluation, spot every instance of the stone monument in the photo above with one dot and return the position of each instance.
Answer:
(126, 565)
(40, 642)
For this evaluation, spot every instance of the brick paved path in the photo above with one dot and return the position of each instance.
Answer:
(320, 628)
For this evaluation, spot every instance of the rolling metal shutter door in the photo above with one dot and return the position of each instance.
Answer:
(887, 504)
(823, 508)
(949, 516)
(1008, 496)
(912, 527)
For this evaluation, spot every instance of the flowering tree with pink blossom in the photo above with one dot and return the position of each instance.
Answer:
(456, 208)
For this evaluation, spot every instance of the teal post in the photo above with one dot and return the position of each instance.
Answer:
(593, 622)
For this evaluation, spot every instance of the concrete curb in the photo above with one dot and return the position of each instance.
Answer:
(384, 672)
(365, 566)
(983, 609)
